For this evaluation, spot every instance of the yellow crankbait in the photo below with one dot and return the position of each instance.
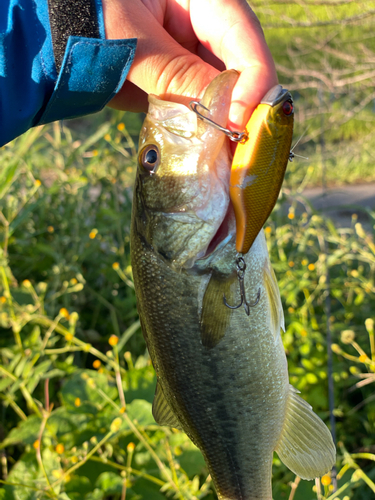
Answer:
(259, 165)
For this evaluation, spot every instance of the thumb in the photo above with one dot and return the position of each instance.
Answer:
(161, 65)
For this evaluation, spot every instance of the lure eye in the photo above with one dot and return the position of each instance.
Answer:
(288, 108)
(150, 158)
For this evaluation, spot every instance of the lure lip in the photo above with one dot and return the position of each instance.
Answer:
(276, 95)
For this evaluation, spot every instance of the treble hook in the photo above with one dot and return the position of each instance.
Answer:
(241, 267)
(233, 136)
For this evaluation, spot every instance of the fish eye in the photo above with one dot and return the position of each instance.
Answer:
(288, 107)
(150, 158)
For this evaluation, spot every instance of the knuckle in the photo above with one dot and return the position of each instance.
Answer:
(183, 75)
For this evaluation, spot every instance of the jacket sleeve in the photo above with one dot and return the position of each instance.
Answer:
(31, 91)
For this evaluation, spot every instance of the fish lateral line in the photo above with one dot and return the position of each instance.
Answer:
(241, 268)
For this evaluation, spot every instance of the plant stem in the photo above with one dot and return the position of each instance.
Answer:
(294, 487)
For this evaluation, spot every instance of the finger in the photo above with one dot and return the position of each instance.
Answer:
(161, 65)
(235, 36)
(131, 98)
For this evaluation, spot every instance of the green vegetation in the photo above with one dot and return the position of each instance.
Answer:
(324, 52)
(76, 382)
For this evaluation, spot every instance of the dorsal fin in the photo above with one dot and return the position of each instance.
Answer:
(276, 308)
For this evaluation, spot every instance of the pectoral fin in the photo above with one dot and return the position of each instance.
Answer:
(306, 446)
(215, 316)
(162, 412)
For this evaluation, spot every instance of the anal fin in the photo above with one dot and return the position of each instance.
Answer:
(306, 446)
(162, 412)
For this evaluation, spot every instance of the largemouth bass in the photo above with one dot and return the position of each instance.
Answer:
(221, 375)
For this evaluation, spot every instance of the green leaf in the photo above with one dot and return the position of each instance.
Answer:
(26, 432)
(140, 384)
(7, 174)
(85, 385)
(28, 477)
(110, 482)
(5, 382)
(141, 411)
(42, 367)
(95, 495)
(78, 485)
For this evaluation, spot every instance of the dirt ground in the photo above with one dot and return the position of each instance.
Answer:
(340, 203)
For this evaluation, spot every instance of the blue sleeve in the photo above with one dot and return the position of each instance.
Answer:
(31, 92)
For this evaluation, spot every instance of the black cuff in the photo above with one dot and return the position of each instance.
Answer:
(71, 18)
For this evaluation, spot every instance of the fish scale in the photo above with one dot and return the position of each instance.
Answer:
(221, 374)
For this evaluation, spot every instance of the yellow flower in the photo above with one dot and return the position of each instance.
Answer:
(116, 424)
(74, 459)
(129, 170)
(64, 313)
(73, 281)
(268, 230)
(26, 283)
(291, 216)
(93, 233)
(290, 310)
(131, 447)
(303, 333)
(50, 229)
(304, 262)
(347, 336)
(107, 137)
(95, 152)
(363, 358)
(60, 448)
(369, 324)
(77, 402)
(311, 267)
(113, 340)
(36, 444)
(326, 480)
(121, 126)
(68, 337)
(291, 264)
(115, 266)
(122, 409)
(96, 364)
(3, 299)
(37, 183)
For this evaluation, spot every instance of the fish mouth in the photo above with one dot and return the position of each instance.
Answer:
(224, 235)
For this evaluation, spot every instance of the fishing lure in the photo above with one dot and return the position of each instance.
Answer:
(258, 170)
(259, 165)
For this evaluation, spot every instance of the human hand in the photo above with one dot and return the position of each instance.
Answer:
(184, 44)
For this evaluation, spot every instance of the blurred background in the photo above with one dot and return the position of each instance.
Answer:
(76, 382)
